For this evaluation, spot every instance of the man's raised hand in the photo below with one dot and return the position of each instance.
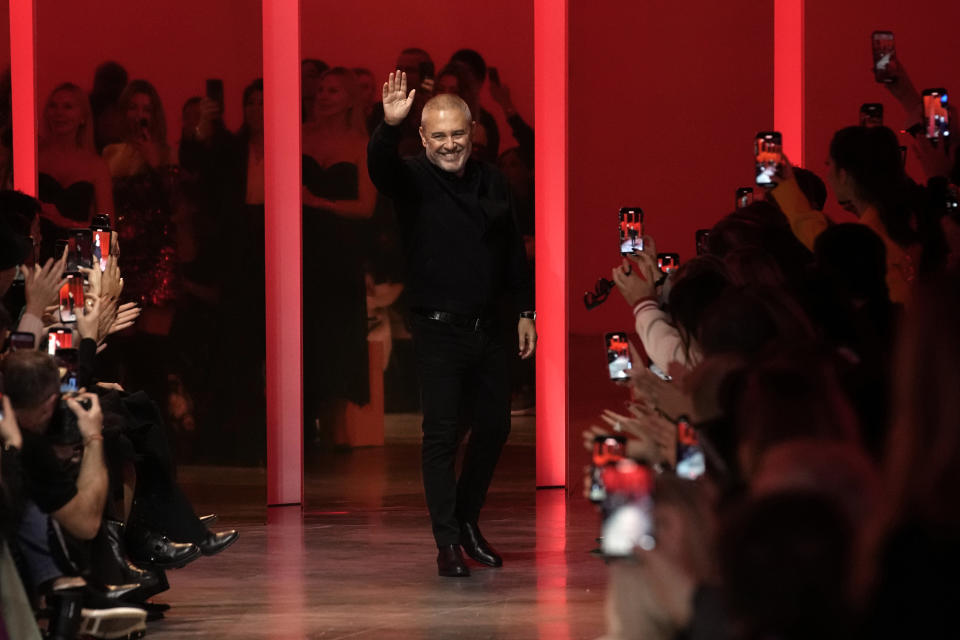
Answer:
(396, 101)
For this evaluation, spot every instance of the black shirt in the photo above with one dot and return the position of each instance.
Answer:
(460, 233)
(47, 480)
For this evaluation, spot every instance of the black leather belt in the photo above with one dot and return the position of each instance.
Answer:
(455, 319)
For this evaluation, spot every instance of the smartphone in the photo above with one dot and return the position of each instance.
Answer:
(67, 359)
(768, 152)
(60, 338)
(884, 57)
(743, 197)
(631, 230)
(607, 450)
(494, 76)
(100, 245)
(71, 298)
(82, 248)
(702, 239)
(936, 114)
(668, 262)
(691, 463)
(618, 355)
(628, 509)
(22, 340)
(214, 90)
(871, 114)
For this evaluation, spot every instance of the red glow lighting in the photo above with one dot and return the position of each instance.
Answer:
(788, 84)
(23, 81)
(282, 179)
(550, 73)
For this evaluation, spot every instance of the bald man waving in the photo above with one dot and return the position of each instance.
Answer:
(464, 253)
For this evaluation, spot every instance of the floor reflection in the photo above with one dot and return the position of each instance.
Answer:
(359, 562)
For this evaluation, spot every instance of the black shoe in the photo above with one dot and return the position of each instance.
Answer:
(450, 562)
(477, 547)
(214, 543)
(112, 566)
(66, 606)
(156, 551)
(208, 519)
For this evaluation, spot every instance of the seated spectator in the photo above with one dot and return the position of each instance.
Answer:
(476, 68)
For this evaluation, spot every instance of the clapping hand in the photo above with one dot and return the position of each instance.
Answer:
(396, 101)
(42, 284)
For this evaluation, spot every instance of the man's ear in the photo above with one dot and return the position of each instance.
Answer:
(423, 138)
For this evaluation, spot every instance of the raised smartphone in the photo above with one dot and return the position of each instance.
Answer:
(631, 230)
(768, 155)
(618, 355)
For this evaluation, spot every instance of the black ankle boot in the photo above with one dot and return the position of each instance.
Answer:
(450, 562)
(65, 606)
(477, 547)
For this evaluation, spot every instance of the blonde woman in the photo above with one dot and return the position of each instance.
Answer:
(337, 197)
(74, 182)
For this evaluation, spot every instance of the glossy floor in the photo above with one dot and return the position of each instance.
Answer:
(359, 562)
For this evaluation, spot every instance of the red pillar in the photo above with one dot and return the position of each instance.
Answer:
(788, 88)
(550, 106)
(281, 104)
(23, 80)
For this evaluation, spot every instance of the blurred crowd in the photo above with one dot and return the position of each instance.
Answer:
(784, 466)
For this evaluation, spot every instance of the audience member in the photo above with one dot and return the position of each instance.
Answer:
(109, 81)
(477, 70)
(337, 195)
(74, 183)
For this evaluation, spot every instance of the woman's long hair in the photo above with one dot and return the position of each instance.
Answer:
(84, 139)
(158, 123)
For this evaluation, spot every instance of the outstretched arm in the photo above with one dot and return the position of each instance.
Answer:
(387, 170)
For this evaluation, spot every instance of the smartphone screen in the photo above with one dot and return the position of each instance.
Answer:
(67, 359)
(628, 508)
(22, 340)
(71, 298)
(884, 56)
(59, 339)
(668, 262)
(768, 150)
(618, 355)
(702, 239)
(871, 114)
(744, 197)
(101, 247)
(607, 450)
(691, 463)
(631, 230)
(936, 114)
(82, 241)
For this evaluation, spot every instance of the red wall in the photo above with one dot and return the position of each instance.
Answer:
(370, 33)
(839, 73)
(664, 104)
(176, 45)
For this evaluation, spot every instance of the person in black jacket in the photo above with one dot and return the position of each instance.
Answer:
(463, 251)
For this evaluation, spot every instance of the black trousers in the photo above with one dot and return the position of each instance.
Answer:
(465, 383)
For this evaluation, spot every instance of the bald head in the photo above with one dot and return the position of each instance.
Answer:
(445, 129)
(445, 102)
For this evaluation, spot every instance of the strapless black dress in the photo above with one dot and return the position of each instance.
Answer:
(335, 360)
(74, 202)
